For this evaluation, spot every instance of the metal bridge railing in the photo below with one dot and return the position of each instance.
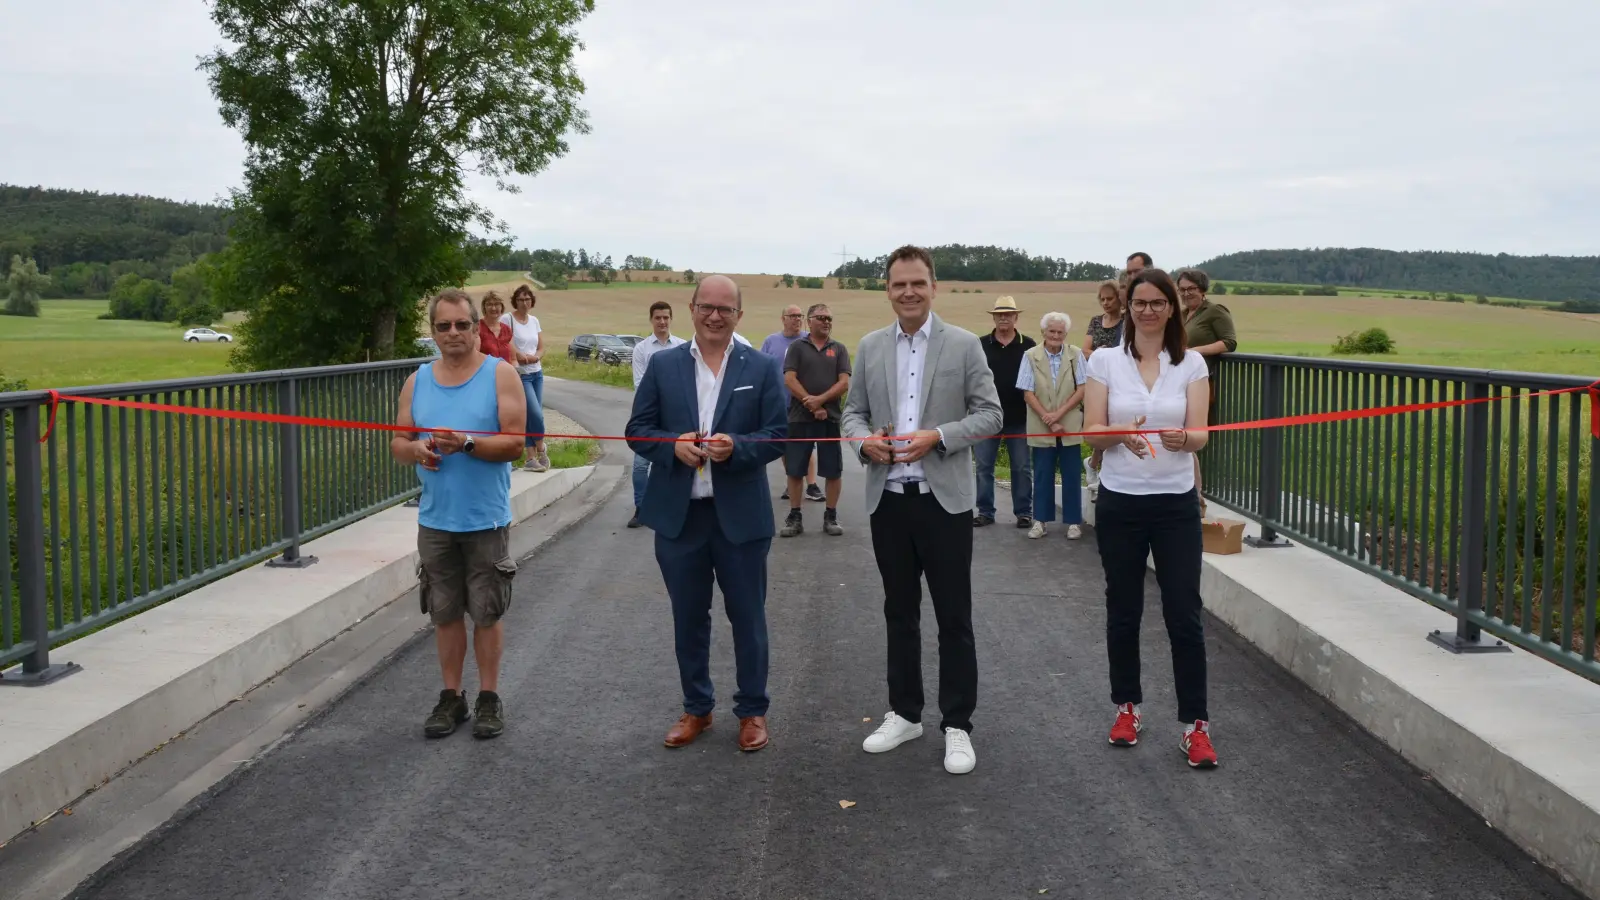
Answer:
(121, 509)
(1486, 510)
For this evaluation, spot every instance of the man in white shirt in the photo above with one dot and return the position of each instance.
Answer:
(709, 416)
(660, 338)
(928, 383)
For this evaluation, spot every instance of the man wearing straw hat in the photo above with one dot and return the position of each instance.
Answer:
(1003, 347)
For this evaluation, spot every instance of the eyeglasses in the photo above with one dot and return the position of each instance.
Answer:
(726, 312)
(793, 315)
(1188, 290)
(1149, 305)
(462, 325)
(824, 319)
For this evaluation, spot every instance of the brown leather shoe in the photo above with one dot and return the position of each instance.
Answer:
(687, 729)
(752, 733)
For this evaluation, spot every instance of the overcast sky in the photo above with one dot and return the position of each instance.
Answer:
(765, 135)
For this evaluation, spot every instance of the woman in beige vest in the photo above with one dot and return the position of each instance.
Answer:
(1052, 381)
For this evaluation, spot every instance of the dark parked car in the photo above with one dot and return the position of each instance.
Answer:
(606, 348)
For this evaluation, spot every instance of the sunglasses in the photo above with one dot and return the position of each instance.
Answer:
(462, 325)
(824, 319)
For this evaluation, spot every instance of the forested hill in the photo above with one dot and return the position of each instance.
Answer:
(958, 262)
(1499, 275)
(86, 240)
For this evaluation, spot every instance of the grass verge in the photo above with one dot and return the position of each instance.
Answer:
(573, 454)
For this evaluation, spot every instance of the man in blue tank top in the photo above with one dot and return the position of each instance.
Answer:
(705, 416)
(463, 524)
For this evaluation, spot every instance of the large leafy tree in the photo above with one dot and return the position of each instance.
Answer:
(23, 287)
(362, 120)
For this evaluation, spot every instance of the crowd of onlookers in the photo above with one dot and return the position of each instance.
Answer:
(933, 409)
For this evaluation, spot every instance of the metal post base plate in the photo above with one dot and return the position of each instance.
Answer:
(1274, 544)
(18, 678)
(299, 562)
(1455, 643)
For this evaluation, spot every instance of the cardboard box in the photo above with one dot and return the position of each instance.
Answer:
(1222, 536)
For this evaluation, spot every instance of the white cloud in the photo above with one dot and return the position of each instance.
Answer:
(762, 135)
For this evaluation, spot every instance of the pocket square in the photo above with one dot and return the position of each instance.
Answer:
(748, 387)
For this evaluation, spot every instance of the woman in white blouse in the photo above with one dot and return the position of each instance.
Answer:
(527, 339)
(1148, 505)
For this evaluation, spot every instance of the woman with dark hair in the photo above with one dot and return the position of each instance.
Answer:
(1105, 330)
(494, 336)
(1208, 327)
(527, 340)
(1148, 504)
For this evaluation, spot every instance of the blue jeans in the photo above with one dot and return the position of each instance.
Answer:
(533, 388)
(641, 477)
(1069, 459)
(986, 452)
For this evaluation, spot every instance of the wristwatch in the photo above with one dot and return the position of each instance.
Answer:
(468, 445)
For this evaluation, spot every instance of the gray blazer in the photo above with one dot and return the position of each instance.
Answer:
(958, 397)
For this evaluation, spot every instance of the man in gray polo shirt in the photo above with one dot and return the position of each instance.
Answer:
(817, 372)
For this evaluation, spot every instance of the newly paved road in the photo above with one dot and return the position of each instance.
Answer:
(579, 799)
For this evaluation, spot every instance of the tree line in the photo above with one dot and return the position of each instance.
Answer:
(1558, 278)
(958, 262)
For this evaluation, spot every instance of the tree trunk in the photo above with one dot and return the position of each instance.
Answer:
(383, 334)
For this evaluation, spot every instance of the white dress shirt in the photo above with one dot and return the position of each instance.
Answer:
(707, 387)
(910, 354)
(1025, 374)
(1164, 406)
(647, 348)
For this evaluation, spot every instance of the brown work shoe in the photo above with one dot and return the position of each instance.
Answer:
(687, 729)
(752, 733)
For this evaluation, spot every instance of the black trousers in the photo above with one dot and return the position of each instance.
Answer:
(912, 536)
(1131, 528)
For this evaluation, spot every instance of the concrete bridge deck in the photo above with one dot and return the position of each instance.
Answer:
(579, 799)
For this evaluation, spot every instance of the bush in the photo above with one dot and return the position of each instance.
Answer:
(12, 384)
(1579, 306)
(1326, 290)
(1219, 288)
(807, 281)
(1373, 340)
(1480, 299)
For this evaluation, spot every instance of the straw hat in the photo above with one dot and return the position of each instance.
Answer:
(1005, 304)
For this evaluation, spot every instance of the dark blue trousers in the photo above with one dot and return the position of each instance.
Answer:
(689, 564)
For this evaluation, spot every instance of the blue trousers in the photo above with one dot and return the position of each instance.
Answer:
(533, 389)
(689, 565)
(1068, 458)
(986, 452)
(641, 478)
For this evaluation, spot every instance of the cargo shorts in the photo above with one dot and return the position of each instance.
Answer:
(465, 573)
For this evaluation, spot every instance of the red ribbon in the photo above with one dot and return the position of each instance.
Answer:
(1281, 422)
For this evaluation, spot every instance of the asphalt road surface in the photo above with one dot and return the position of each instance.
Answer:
(579, 799)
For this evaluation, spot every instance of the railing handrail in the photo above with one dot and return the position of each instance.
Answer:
(1507, 377)
(31, 397)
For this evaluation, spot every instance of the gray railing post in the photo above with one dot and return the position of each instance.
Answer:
(36, 666)
(1270, 490)
(1468, 637)
(289, 481)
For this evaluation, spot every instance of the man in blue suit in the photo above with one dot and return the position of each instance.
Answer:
(700, 415)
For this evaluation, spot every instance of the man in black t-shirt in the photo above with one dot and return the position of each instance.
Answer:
(1004, 348)
(817, 372)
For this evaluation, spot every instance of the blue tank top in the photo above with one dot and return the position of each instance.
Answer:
(466, 494)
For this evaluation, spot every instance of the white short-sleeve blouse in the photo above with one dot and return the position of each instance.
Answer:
(1165, 406)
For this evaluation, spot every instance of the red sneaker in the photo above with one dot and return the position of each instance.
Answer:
(1196, 745)
(1125, 731)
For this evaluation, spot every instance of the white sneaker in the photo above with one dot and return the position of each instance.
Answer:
(1074, 532)
(892, 733)
(1037, 531)
(959, 757)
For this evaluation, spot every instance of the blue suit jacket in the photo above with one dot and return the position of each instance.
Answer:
(752, 404)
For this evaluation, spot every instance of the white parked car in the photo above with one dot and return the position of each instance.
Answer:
(206, 334)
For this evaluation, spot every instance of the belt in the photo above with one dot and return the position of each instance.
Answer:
(910, 488)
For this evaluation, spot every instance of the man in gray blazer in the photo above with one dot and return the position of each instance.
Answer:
(927, 383)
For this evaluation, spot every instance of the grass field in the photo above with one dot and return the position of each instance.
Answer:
(68, 346)
(1426, 332)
